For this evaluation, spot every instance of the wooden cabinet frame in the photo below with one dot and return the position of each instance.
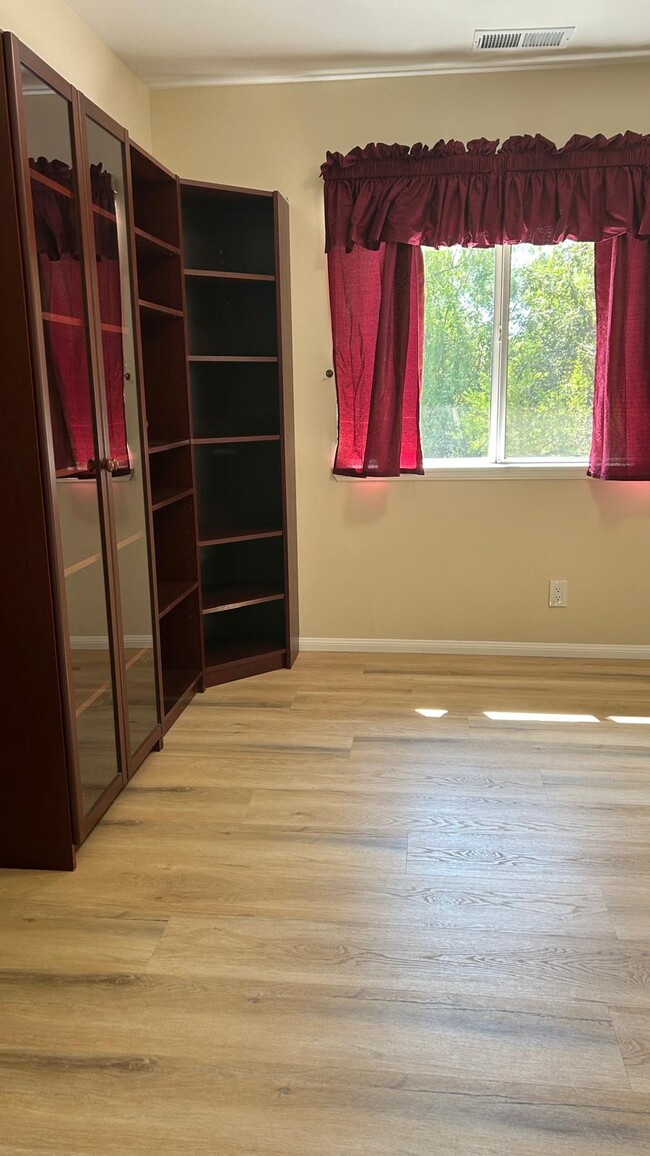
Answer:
(43, 822)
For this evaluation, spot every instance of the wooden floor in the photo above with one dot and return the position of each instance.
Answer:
(319, 923)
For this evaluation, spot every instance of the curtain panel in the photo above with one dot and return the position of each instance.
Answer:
(479, 195)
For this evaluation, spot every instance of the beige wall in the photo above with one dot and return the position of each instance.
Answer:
(52, 30)
(414, 559)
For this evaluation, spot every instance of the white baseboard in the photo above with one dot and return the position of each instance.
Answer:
(100, 641)
(461, 646)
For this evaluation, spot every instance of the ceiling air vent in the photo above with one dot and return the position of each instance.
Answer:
(507, 39)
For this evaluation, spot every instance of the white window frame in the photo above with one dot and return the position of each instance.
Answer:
(496, 465)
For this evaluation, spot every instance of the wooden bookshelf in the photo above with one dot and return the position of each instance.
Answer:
(235, 266)
(161, 323)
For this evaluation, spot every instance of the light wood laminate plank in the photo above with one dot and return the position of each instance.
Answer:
(246, 961)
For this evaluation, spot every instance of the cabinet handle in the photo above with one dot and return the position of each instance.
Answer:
(110, 465)
(91, 466)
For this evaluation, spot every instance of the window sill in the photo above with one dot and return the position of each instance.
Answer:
(466, 473)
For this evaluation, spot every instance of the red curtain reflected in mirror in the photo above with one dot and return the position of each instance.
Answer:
(62, 300)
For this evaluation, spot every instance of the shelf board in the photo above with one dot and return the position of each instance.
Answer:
(108, 216)
(176, 684)
(147, 243)
(234, 597)
(43, 180)
(175, 711)
(130, 540)
(91, 698)
(77, 322)
(217, 535)
(76, 566)
(196, 358)
(103, 687)
(199, 276)
(162, 498)
(137, 656)
(235, 440)
(72, 472)
(151, 308)
(171, 594)
(92, 558)
(235, 651)
(158, 447)
(63, 319)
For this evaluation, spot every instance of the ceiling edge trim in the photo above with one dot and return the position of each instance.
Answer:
(530, 64)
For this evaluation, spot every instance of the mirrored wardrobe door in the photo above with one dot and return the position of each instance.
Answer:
(104, 158)
(44, 115)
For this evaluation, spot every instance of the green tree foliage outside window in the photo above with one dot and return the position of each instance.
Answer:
(551, 331)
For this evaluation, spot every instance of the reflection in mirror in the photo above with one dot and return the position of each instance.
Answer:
(112, 271)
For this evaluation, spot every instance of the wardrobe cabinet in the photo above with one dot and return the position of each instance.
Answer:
(69, 166)
(146, 399)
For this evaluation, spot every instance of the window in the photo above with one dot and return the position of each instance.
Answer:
(509, 343)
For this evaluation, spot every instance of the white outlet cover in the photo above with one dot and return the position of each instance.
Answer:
(557, 592)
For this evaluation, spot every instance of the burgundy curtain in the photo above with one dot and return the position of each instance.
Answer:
(621, 430)
(592, 189)
(58, 246)
(377, 309)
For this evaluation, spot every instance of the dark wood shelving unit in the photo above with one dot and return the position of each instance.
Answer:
(203, 344)
(161, 316)
(236, 267)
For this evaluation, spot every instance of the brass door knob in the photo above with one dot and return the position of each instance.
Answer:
(110, 465)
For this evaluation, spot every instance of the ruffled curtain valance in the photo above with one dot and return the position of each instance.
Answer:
(480, 195)
(383, 198)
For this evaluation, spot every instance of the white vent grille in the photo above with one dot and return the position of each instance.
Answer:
(521, 39)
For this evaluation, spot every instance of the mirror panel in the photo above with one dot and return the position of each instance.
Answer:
(112, 273)
(49, 142)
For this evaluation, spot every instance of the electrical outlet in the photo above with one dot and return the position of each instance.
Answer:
(557, 592)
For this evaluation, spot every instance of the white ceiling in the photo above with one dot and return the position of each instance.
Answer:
(169, 42)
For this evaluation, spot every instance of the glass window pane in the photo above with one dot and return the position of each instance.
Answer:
(457, 370)
(551, 346)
